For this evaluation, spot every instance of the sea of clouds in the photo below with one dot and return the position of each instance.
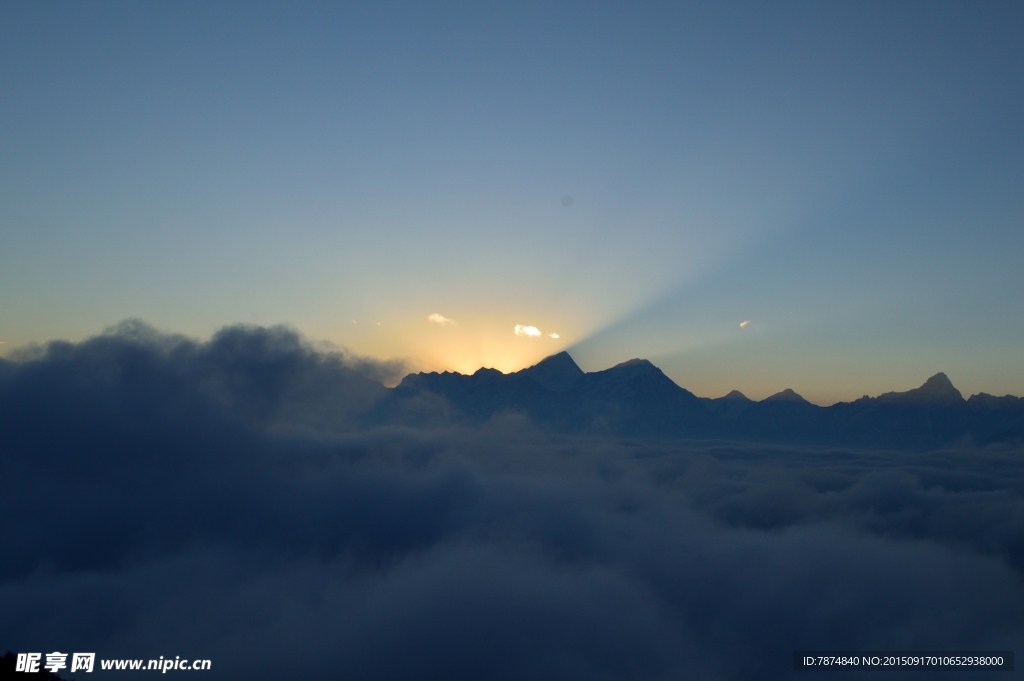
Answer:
(221, 500)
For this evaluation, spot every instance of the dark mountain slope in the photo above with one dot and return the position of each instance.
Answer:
(936, 390)
(558, 373)
(636, 398)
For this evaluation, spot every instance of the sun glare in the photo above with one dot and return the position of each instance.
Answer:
(458, 340)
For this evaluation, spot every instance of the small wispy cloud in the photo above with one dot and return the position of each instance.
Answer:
(743, 324)
(441, 319)
(529, 331)
(553, 335)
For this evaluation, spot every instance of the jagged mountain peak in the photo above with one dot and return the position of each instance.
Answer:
(636, 383)
(556, 372)
(937, 389)
(562, 361)
(635, 362)
(629, 370)
(633, 368)
(736, 395)
(939, 385)
(787, 395)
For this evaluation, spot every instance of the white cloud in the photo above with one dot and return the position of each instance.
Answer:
(744, 324)
(553, 335)
(531, 331)
(439, 319)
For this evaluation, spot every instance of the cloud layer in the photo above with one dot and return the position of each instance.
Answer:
(217, 500)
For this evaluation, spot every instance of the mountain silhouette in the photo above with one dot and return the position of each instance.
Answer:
(557, 372)
(636, 399)
(787, 395)
(937, 389)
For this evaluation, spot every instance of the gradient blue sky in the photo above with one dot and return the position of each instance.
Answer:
(847, 178)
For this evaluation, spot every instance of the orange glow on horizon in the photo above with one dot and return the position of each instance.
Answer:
(464, 343)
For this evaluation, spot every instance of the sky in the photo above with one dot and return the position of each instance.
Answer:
(822, 196)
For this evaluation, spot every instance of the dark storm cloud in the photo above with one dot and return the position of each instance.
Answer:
(167, 497)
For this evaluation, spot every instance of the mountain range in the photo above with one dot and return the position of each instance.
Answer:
(635, 399)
